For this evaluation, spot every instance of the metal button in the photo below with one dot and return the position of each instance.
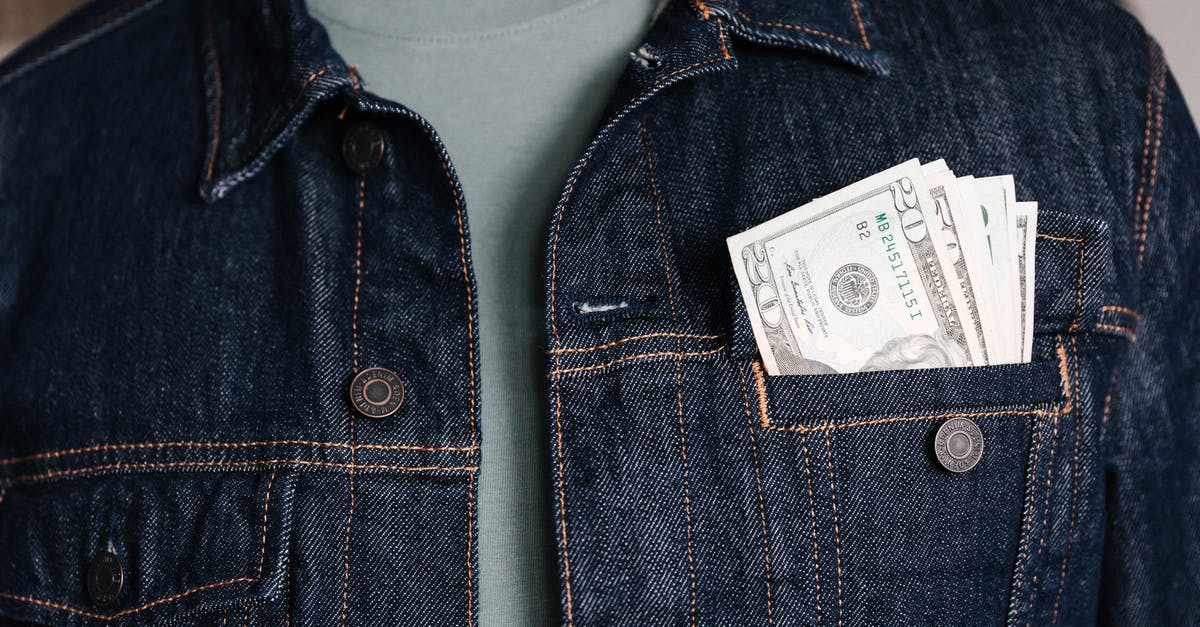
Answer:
(104, 578)
(362, 147)
(958, 444)
(376, 392)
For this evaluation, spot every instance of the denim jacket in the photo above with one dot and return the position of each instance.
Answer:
(198, 253)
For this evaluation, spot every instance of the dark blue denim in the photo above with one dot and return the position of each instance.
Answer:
(190, 275)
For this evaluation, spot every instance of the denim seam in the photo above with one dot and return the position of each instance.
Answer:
(470, 535)
(762, 511)
(724, 43)
(72, 472)
(1130, 334)
(826, 425)
(587, 349)
(640, 356)
(865, 45)
(558, 219)
(662, 241)
(1027, 516)
(1062, 573)
(219, 90)
(174, 597)
(812, 516)
(1155, 90)
(287, 589)
(101, 25)
(462, 253)
(305, 443)
(1125, 310)
(275, 125)
(1079, 285)
(837, 543)
(1045, 509)
(361, 206)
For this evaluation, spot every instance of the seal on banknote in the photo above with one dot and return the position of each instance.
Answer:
(854, 289)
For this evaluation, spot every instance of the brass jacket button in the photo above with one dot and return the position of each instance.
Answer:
(362, 147)
(376, 392)
(104, 578)
(958, 444)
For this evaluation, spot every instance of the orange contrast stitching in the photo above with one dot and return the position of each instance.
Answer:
(1150, 84)
(812, 516)
(556, 373)
(1062, 573)
(1132, 335)
(462, 256)
(1045, 502)
(1125, 310)
(146, 606)
(358, 247)
(1023, 559)
(470, 535)
(216, 138)
(861, 29)
(760, 389)
(263, 462)
(1079, 283)
(614, 362)
(142, 445)
(1143, 225)
(248, 157)
(837, 544)
(687, 496)
(827, 426)
(762, 511)
(690, 336)
(724, 44)
(800, 27)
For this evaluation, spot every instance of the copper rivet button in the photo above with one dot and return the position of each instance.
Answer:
(958, 444)
(362, 147)
(376, 392)
(104, 578)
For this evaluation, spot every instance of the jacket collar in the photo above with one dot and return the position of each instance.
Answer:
(844, 29)
(268, 64)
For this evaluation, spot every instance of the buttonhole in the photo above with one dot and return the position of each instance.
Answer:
(646, 56)
(600, 307)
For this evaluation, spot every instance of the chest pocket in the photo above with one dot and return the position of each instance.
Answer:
(859, 519)
(140, 549)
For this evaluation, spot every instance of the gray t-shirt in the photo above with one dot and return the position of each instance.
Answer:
(515, 89)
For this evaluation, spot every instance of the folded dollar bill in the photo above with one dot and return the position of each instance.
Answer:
(913, 267)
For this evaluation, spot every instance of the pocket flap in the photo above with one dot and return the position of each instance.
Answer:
(187, 543)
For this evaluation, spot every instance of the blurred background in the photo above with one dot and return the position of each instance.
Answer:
(1172, 22)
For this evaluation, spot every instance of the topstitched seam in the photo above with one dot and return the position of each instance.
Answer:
(687, 499)
(306, 443)
(462, 254)
(762, 510)
(246, 464)
(361, 204)
(174, 597)
(837, 543)
(216, 63)
(276, 125)
(560, 217)
(1062, 573)
(587, 349)
(1027, 517)
(1142, 223)
(826, 425)
(866, 45)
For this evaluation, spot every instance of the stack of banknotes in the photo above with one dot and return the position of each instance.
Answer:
(914, 267)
